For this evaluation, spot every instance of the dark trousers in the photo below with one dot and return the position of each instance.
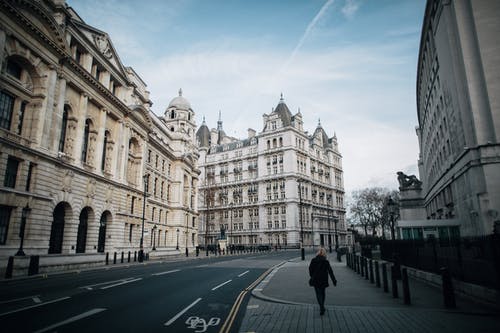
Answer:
(320, 296)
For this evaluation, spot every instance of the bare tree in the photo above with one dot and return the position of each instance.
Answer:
(368, 209)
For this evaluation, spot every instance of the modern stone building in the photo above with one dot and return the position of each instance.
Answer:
(80, 149)
(249, 188)
(458, 105)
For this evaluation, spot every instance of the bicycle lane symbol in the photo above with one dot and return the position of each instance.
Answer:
(200, 325)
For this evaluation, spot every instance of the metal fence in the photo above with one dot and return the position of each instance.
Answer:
(470, 259)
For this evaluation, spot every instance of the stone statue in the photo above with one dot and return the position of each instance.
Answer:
(408, 182)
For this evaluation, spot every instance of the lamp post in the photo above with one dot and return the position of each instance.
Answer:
(187, 223)
(177, 247)
(302, 251)
(391, 207)
(154, 238)
(231, 230)
(336, 221)
(24, 215)
(141, 244)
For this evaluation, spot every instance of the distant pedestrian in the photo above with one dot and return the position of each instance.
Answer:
(319, 269)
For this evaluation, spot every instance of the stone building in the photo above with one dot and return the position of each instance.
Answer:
(458, 105)
(249, 188)
(80, 147)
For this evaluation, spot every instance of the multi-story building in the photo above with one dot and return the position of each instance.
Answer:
(458, 105)
(279, 187)
(84, 161)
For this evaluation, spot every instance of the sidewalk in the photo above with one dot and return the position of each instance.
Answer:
(284, 302)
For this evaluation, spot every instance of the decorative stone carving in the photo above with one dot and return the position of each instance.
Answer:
(103, 45)
(91, 186)
(67, 181)
(408, 182)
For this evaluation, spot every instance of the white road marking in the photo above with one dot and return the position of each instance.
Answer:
(168, 272)
(91, 286)
(182, 312)
(243, 273)
(220, 285)
(72, 319)
(18, 299)
(37, 300)
(34, 306)
(119, 284)
(253, 306)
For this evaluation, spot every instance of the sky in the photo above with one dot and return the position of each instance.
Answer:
(349, 64)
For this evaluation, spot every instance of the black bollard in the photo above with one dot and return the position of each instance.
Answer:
(362, 266)
(372, 280)
(34, 265)
(10, 268)
(394, 281)
(128, 259)
(121, 260)
(114, 258)
(303, 253)
(187, 252)
(377, 274)
(107, 258)
(406, 286)
(448, 293)
(358, 268)
(135, 256)
(366, 269)
(384, 278)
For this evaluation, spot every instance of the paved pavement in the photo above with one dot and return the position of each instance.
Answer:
(284, 302)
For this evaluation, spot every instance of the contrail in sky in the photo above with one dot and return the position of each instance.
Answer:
(308, 31)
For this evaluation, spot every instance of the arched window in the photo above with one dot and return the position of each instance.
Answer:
(81, 237)
(172, 114)
(64, 124)
(85, 144)
(6, 110)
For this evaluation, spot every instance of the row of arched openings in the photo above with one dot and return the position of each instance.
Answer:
(61, 214)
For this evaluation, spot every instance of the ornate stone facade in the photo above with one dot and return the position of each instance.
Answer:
(249, 188)
(458, 105)
(80, 147)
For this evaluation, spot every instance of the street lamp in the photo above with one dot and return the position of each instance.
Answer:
(145, 179)
(177, 247)
(391, 207)
(24, 215)
(336, 221)
(154, 238)
(187, 222)
(231, 230)
(329, 231)
(302, 251)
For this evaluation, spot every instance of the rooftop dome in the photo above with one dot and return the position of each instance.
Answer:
(203, 135)
(180, 102)
(283, 112)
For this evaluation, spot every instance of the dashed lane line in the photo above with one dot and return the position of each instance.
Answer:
(243, 273)
(72, 319)
(168, 272)
(182, 312)
(34, 306)
(121, 283)
(19, 299)
(220, 285)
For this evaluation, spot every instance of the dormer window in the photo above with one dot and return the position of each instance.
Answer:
(172, 114)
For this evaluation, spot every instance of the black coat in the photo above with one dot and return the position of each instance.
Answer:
(319, 269)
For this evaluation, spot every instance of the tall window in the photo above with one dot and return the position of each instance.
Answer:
(85, 144)
(104, 148)
(64, 124)
(6, 108)
(11, 172)
(21, 118)
(4, 223)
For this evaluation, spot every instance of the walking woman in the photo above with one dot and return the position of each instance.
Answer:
(319, 269)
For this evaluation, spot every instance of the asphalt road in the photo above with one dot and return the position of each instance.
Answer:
(181, 296)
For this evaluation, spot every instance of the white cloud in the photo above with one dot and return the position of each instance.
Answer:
(346, 88)
(350, 8)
